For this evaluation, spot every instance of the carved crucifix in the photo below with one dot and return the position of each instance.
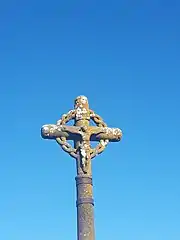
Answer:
(82, 133)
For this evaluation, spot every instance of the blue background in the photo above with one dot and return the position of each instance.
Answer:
(124, 56)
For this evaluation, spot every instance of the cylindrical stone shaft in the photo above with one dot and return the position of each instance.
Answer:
(85, 208)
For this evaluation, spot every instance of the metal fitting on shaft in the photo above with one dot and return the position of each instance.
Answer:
(83, 180)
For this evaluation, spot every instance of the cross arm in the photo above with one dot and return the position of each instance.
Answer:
(105, 133)
(52, 131)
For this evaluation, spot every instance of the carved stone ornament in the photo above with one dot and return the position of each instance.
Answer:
(81, 133)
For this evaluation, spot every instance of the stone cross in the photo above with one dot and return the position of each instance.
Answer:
(82, 133)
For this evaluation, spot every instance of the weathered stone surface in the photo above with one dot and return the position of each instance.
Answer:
(54, 131)
(82, 134)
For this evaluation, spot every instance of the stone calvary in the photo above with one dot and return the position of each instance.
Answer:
(82, 133)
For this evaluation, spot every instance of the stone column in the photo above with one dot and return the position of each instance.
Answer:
(85, 208)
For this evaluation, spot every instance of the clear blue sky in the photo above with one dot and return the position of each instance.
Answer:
(125, 57)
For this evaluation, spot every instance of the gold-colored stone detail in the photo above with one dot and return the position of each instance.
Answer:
(85, 191)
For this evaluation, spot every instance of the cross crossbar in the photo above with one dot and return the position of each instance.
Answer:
(53, 131)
